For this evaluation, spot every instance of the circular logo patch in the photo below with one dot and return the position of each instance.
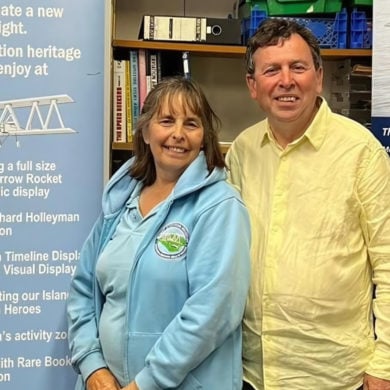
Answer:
(171, 242)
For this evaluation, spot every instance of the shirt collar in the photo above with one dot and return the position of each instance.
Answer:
(315, 133)
(318, 128)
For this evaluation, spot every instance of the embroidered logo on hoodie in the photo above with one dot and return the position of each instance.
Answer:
(172, 241)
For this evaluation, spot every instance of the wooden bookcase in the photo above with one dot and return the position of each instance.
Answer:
(218, 68)
(220, 51)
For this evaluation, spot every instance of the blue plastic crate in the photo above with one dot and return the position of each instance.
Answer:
(331, 33)
(361, 30)
(249, 25)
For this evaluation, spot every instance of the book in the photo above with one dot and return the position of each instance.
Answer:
(134, 87)
(119, 101)
(128, 102)
(153, 68)
(148, 75)
(363, 70)
(186, 64)
(142, 81)
(159, 66)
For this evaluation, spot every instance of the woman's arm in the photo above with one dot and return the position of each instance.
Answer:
(82, 323)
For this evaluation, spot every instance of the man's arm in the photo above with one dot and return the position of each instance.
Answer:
(374, 195)
(372, 383)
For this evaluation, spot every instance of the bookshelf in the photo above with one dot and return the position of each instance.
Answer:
(226, 50)
(219, 69)
(221, 52)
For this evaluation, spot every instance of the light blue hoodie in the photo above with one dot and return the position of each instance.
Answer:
(183, 332)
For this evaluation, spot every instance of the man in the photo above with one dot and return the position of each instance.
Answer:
(317, 186)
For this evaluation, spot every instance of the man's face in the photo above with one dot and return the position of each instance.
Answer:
(286, 83)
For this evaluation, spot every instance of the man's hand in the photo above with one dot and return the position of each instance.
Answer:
(373, 383)
(102, 379)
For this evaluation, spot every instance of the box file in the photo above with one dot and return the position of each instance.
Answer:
(190, 29)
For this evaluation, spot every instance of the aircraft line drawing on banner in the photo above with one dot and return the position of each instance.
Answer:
(38, 122)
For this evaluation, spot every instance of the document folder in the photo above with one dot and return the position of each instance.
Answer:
(191, 29)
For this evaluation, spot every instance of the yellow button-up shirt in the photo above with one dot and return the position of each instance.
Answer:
(320, 215)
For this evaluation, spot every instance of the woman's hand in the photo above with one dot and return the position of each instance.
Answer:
(131, 386)
(102, 379)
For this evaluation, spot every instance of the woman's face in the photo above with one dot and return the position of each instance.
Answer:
(175, 136)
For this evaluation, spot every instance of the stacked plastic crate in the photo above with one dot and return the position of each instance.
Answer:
(337, 24)
(351, 83)
(360, 36)
(325, 18)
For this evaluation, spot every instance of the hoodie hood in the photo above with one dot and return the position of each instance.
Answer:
(121, 185)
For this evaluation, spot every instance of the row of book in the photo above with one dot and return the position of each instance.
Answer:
(135, 73)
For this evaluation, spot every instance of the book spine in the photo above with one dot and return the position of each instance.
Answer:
(159, 67)
(148, 76)
(134, 87)
(186, 64)
(119, 102)
(153, 69)
(142, 84)
(129, 114)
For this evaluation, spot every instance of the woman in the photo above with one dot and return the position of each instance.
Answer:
(160, 288)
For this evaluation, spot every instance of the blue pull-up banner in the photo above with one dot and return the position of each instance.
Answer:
(381, 73)
(51, 177)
